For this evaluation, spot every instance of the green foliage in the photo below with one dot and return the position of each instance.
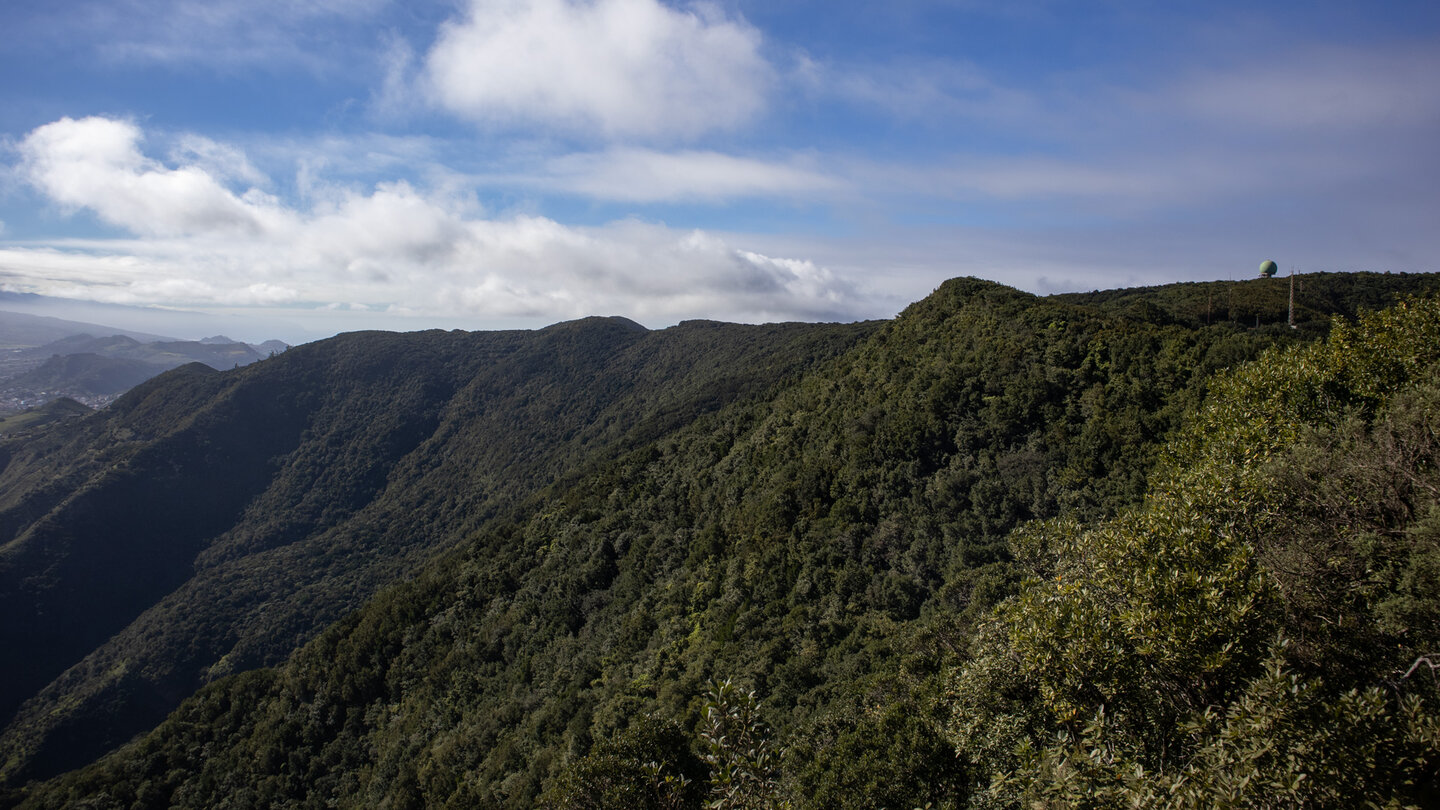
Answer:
(650, 766)
(1285, 742)
(210, 523)
(786, 539)
(742, 757)
(54, 411)
(1319, 297)
(590, 528)
(1134, 666)
(879, 743)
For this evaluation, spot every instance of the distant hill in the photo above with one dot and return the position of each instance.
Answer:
(94, 370)
(53, 411)
(19, 330)
(90, 376)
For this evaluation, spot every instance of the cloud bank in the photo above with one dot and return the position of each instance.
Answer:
(392, 248)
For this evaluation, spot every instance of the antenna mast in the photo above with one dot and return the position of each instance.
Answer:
(1292, 296)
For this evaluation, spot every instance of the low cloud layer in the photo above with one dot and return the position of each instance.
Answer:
(392, 248)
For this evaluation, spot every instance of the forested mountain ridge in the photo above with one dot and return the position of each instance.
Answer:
(1262, 629)
(831, 542)
(1317, 298)
(208, 522)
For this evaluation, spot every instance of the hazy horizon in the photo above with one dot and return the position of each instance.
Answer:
(333, 165)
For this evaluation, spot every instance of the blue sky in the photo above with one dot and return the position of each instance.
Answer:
(324, 165)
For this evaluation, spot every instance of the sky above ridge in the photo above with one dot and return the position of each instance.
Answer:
(341, 164)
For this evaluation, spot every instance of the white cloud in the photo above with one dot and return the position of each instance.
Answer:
(96, 163)
(224, 163)
(392, 248)
(611, 67)
(395, 97)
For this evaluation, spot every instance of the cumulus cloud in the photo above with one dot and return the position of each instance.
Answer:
(96, 163)
(221, 161)
(616, 67)
(393, 247)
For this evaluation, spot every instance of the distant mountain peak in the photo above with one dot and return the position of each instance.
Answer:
(270, 347)
(592, 321)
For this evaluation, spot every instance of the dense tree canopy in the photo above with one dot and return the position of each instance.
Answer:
(1251, 632)
(1001, 549)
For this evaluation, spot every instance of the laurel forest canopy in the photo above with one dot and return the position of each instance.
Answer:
(1001, 551)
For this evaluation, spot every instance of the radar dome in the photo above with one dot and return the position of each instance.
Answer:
(1268, 268)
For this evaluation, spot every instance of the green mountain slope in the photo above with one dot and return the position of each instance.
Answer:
(1262, 301)
(837, 533)
(52, 411)
(1261, 630)
(208, 523)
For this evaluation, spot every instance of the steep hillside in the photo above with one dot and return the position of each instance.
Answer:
(209, 523)
(1262, 630)
(52, 411)
(629, 524)
(811, 544)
